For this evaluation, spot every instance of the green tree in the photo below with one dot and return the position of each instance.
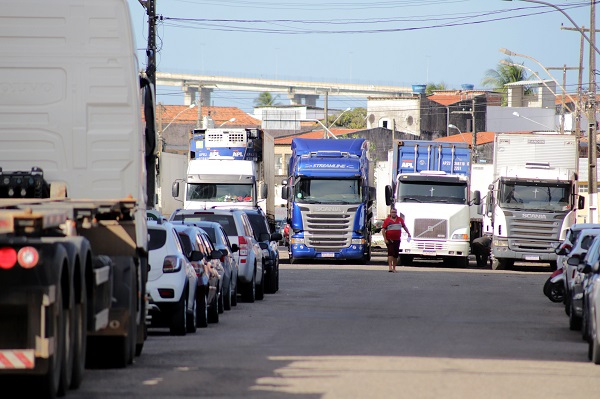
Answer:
(353, 119)
(503, 74)
(265, 99)
(435, 86)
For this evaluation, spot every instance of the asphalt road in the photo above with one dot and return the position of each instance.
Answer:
(348, 331)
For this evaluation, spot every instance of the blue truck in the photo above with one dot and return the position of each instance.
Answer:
(431, 191)
(329, 197)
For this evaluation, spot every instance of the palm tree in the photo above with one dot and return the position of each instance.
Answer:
(265, 99)
(431, 87)
(503, 74)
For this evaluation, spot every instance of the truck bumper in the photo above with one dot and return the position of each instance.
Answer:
(301, 251)
(434, 248)
(507, 253)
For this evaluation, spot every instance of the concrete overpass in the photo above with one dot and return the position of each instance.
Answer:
(299, 92)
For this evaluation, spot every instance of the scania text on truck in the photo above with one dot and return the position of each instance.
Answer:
(229, 168)
(431, 191)
(533, 199)
(73, 234)
(330, 200)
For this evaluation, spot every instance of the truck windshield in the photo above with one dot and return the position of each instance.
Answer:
(528, 195)
(219, 192)
(326, 191)
(428, 191)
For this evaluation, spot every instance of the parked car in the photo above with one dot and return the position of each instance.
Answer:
(574, 288)
(563, 251)
(593, 312)
(219, 238)
(196, 244)
(172, 281)
(239, 230)
(269, 243)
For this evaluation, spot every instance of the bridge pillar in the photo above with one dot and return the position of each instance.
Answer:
(191, 95)
(304, 99)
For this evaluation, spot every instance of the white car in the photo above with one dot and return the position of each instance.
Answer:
(251, 274)
(172, 281)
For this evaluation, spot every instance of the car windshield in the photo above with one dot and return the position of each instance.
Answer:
(258, 224)
(211, 233)
(219, 192)
(224, 220)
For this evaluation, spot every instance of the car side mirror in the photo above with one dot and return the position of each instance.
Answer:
(216, 254)
(276, 237)
(264, 237)
(196, 256)
(573, 261)
(175, 189)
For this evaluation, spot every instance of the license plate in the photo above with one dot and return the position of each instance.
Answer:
(429, 253)
(327, 255)
(532, 257)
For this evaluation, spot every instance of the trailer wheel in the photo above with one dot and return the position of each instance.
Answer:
(79, 346)
(405, 260)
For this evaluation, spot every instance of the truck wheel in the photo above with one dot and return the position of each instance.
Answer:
(142, 328)
(80, 343)
(179, 318)
(406, 260)
(260, 288)
(595, 349)
(201, 310)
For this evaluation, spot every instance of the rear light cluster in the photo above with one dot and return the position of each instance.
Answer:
(26, 257)
(243, 244)
(172, 264)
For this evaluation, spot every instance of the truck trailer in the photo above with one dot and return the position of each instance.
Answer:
(431, 191)
(229, 168)
(330, 200)
(533, 199)
(73, 235)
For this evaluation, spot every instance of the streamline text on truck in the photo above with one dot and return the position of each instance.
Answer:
(230, 168)
(330, 199)
(73, 234)
(431, 191)
(533, 199)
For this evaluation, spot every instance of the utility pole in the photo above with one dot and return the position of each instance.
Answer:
(564, 68)
(592, 139)
(474, 144)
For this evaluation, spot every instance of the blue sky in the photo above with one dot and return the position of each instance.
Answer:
(389, 42)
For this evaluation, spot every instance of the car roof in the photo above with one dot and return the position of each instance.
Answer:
(582, 226)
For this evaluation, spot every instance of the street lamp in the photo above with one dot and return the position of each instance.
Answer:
(566, 15)
(451, 126)
(320, 123)
(160, 138)
(340, 115)
(531, 120)
(230, 120)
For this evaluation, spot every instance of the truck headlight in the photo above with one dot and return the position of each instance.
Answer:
(500, 243)
(358, 241)
(297, 240)
(460, 236)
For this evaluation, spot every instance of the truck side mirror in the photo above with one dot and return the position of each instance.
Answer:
(175, 189)
(388, 195)
(284, 192)
(477, 199)
(581, 202)
(264, 191)
(372, 193)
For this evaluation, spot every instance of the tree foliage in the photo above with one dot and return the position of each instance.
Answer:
(266, 99)
(353, 119)
(431, 87)
(503, 74)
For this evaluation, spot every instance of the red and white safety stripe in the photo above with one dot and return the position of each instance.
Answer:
(17, 359)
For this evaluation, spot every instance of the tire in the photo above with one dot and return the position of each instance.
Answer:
(227, 297)
(142, 328)
(249, 290)
(191, 325)
(574, 320)
(554, 291)
(80, 343)
(213, 310)
(201, 310)
(179, 318)
(502, 264)
(595, 349)
(405, 260)
(221, 301)
(269, 282)
(260, 288)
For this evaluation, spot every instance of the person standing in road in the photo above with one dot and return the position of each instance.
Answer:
(392, 231)
(481, 248)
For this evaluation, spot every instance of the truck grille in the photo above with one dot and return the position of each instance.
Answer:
(431, 228)
(328, 231)
(533, 235)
